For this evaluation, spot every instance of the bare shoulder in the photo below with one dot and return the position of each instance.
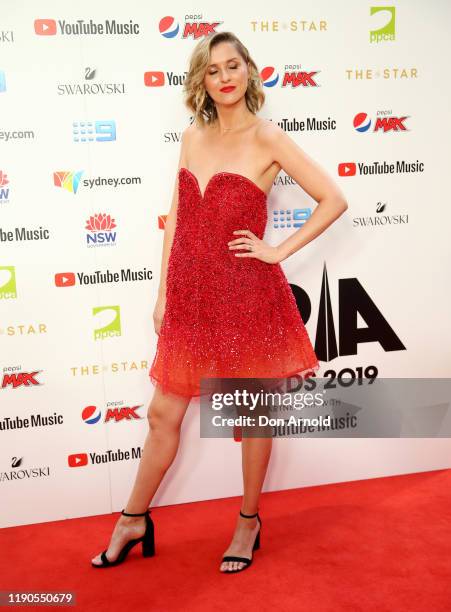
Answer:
(189, 135)
(269, 137)
(269, 132)
(192, 131)
(189, 132)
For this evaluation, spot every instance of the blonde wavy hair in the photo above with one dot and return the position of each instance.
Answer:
(197, 98)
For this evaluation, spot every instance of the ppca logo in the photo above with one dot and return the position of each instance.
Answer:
(386, 16)
(108, 322)
(8, 282)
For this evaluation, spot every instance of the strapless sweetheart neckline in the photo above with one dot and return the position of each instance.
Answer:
(219, 174)
(225, 317)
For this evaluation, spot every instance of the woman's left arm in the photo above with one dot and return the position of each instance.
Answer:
(313, 179)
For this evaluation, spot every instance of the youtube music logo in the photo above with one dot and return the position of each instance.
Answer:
(400, 166)
(45, 27)
(154, 79)
(346, 169)
(77, 460)
(64, 279)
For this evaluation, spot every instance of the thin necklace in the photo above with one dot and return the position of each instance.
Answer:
(231, 128)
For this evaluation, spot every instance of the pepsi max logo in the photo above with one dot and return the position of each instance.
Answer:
(194, 27)
(269, 76)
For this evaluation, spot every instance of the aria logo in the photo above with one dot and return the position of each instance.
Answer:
(108, 322)
(353, 301)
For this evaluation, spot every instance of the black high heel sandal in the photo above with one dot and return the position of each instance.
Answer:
(244, 559)
(148, 543)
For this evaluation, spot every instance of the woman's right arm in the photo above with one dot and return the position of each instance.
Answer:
(169, 230)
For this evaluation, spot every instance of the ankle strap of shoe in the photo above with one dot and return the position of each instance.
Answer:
(248, 515)
(140, 514)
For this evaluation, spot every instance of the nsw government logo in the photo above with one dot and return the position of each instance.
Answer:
(99, 234)
(4, 188)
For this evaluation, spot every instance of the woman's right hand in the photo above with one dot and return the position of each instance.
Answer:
(158, 313)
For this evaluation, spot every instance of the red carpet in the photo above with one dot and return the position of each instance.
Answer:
(381, 545)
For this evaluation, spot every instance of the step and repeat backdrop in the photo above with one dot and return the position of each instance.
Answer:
(91, 119)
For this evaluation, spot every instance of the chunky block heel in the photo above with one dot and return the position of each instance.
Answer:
(255, 547)
(148, 544)
(257, 541)
(147, 540)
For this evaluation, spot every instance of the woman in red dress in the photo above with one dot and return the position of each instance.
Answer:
(224, 306)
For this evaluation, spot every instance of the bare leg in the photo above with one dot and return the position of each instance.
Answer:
(165, 416)
(256, 453)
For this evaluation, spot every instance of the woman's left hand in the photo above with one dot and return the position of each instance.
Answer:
(257, 248)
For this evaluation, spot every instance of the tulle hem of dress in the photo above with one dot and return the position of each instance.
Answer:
(196, 393)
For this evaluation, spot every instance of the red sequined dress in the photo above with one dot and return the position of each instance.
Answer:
(225, 316)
